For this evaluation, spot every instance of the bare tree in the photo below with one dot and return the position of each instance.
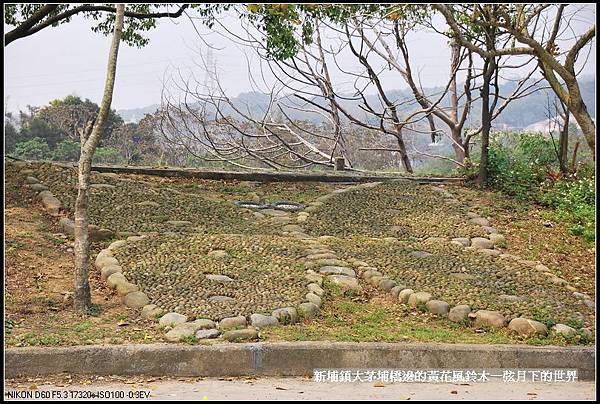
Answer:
(90, 137)
(538, 28)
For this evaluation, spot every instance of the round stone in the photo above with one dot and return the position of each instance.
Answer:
(345, 282)
(337, 270)
(207, 334)
(307, 310)
(489, 252)
(564, 330)
(332, 262)
(396, 290)
(246, 334)
(438, 307)
(313, 298)
(497, 239)
(218, 278)
(464, 241)
(404, 295)
(489, 229)
(420, 254)
(221, 299)
(171, 319)
(219, 254)
(387, 284)
(116, 244)
(527, 327)
(489, 318)
(151, 311)
(232, 322)
(459, 313)
(125, 288)
(38, 187)
(136, 300)
(114, 279)
(316, 289)
(286, 315)
(182, 331)
(418, 298)
(480, 221)
(261, 321)
(481, 243)
(107, 271)
(105, 260)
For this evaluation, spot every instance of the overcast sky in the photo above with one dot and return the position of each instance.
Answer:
(71, 59)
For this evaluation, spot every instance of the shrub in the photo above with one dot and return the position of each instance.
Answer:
(518, 165)
(66, 150)
(34, 149)
(107, 155)
(574, 202)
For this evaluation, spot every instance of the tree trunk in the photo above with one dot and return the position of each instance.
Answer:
(460, 152)
(486, 121)
(403, 155)
(585, 121)
(89, 142)
(563, 145)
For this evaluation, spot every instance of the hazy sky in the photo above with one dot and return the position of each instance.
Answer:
(71, 59)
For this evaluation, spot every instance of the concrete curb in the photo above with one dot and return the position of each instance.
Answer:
(288, 358)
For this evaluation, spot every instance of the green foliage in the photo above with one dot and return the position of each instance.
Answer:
(107, 155)
(574, 201)
(66, 150)
(288, 26)
(102, 14)
(518, 165)
(34, 149)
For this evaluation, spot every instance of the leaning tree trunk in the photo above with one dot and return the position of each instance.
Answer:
(403, 154)
(585, 121)
(89, 141)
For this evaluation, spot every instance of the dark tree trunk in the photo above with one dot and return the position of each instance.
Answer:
(486, 121)
(563, 146)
